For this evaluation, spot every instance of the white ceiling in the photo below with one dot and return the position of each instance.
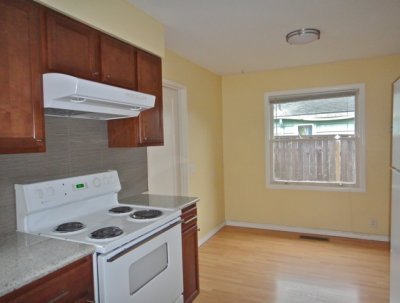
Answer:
(233, 36)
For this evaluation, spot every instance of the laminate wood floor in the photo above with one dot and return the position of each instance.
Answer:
(250, 265)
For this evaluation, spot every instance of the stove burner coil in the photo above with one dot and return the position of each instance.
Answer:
(70, 227)
(106, 232)
(120, 210)
(146, 214)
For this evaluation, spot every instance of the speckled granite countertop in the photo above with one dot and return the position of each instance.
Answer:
(25, 258)
(175, 202)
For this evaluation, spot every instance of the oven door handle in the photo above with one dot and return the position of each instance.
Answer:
(129, 249)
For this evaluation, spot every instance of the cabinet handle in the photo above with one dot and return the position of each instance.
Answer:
(60, 296)
(89, 301)
(108, 76)
(190, 220)
(95, 74)
(140, 243)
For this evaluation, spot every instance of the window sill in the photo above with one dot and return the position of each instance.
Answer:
(315, 187)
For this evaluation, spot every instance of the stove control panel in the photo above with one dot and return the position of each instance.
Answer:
(38, 196)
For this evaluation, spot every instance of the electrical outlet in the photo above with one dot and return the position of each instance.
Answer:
(192, 168)
(373, 223)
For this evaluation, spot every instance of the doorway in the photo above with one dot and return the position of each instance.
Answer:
(168, 164)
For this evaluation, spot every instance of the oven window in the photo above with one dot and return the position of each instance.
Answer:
(147, 268)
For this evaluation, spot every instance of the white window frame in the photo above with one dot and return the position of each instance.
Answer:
(312, 128)
(360, 140)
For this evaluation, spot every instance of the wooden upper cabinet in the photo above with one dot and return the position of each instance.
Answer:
(71, 47)
(118, 62)
(150, 81)
(37, 40)
(21, 106)
(123, 132)
(76, 49)
(147, 129)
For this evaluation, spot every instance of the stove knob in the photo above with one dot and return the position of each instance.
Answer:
(39, 193)
(112, 179)
(96, 182)
(50, 191)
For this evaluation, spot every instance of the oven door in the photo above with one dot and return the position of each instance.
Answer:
(143, 272)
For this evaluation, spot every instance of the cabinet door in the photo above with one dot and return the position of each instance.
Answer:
(150, 81)
(190, 264)
(21, 105)
(117, 61)
(73, 283)
(147, 129)
(72, 47)
(123, 132)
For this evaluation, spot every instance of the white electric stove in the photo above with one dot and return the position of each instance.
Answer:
(138, 250)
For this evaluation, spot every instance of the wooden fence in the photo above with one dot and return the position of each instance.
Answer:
(319, 159)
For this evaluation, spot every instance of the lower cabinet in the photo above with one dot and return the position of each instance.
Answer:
(72, 283)
(190, 256)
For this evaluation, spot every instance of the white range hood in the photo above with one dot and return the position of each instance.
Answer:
(68, 96)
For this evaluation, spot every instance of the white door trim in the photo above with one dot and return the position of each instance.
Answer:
(183, 132)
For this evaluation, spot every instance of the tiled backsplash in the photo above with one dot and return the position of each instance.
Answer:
(74, 147)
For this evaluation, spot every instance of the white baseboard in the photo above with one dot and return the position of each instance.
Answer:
(210, 234)
(315, 231)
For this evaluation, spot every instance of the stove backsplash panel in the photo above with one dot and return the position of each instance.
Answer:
(74, 147)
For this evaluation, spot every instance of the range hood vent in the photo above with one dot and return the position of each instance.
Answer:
(68, 96)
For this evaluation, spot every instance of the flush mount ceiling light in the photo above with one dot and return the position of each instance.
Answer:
(303, 36)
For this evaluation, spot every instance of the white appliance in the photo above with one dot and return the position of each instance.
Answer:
(68, 96)
(395, 209)
(138, 256)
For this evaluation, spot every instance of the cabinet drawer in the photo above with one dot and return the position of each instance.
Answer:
(189, 217)
(189, 212)
(73, 283)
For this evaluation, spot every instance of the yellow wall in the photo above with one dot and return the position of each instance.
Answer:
(246, 196)
(205, 136)
(118, 18)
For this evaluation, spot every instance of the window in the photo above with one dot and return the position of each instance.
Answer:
(315, 138)
(305, 130)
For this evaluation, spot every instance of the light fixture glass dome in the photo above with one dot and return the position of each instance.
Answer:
(303, 36)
